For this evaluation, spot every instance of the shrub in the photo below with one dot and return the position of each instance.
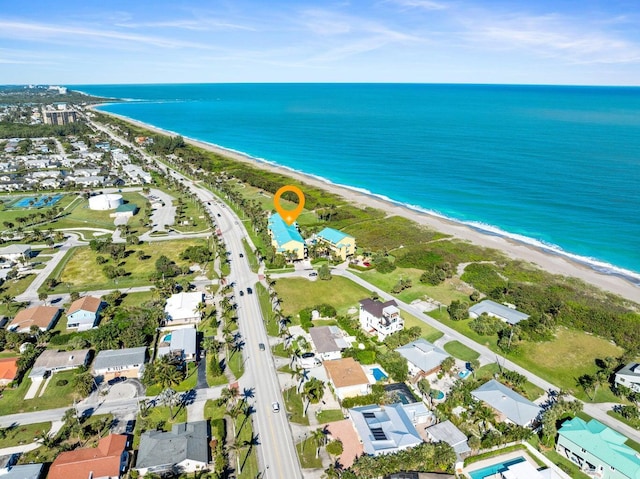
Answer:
(62, 382)
(335, 448)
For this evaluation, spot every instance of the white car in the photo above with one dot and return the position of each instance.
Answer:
(275, 406)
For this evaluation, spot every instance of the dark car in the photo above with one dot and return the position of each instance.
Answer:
(241, 293)
(219, 215)
(249, 291)
(261, 346)
(241, 255)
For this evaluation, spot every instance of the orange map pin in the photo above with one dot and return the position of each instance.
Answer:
(289, 216)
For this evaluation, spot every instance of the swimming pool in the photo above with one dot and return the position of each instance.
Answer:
(37, 202)
(167, 338)
(439, 396)
(464, 374)
(378, 374)
(500, 467)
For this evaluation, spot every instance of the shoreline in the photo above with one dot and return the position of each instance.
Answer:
(547, 259)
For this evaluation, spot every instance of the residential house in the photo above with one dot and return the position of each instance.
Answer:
(8, 370)
(422, 357)
(16, 252)
(629, 376)
(597, 450)
(137, 174)
(42, 316)
(497, 310)
(347, 377)
(113, 363)
(84, 313)
(184, 308)
(106, 461)
(328, 341)
(340, 244)
(50, 183)
(447, 432)
(384, 429)
(10, 469)
(381, 319)
(512, 406)
(184, 449)
(180, 343)
(51, 361)
(87, 181)
(286, 238)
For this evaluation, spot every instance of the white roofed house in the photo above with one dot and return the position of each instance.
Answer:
(497, 310)
(184, 308)
(422, 357)
(509, 404)
(180, 343)
(380, 319)
(15, 252)
(629, 376)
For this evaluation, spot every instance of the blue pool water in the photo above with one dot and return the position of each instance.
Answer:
(464, 374)
(167, 338)
(500, 467)
(378, 374)
(439, 396)
(38, 202)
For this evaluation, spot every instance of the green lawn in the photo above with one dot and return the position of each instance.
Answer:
(445, 292)
(293, 404)
(159, 417)
(82, 273)
(306, 450)
(267, 312)
(300, 293)
(330, 415)
(187, 384)
(429, 333)
(136, 299)
(253, 261)
(460, 351)
(236, 364)
(23, 433)
(54, 396)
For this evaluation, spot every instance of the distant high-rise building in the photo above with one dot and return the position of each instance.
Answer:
(59, 117)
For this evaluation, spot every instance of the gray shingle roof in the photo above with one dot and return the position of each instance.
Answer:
(111, 358)
(515, 407)
(423, 354)
(447, 432)
(327, 339)
(188, 440)
(184, 339)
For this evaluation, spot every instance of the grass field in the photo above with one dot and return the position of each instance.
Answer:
(294, 405)
(445, 292)
(306, 450)
(429, 333)
(330, 415)
(54, 396)
(300, 293)
(460, 351)
(13, 288)
(82, 273)
(23, 433)
(267, 312)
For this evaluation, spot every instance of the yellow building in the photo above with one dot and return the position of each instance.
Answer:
(286, 238)
(340, 244)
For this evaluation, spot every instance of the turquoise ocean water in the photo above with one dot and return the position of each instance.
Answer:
(557, 167)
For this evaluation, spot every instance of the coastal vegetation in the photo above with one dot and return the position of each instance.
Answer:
(397, 246)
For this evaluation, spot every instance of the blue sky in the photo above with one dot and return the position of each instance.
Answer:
(594, 42)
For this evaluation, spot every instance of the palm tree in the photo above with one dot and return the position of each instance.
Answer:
(424, 386)
(167, 374)
(319, 438)
(169, 397)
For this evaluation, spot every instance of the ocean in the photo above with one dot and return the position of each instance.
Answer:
(553, 166)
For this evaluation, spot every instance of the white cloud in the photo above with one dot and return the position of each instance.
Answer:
(423, 4)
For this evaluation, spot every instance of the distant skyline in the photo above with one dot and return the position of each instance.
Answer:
(587, 42)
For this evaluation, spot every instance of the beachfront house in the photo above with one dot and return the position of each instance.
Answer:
(511, 406)
(347, 378)
(286, 239)
(84, 313)
(629, 376)
(597, 450)
(184, 449)
(380, 319)
(184, 308)
(339, 244)
(422, 357)
(496, 310)
(385, 429)
(115, 363)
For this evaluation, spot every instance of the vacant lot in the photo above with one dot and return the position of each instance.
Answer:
(300, 293)
(82, 273)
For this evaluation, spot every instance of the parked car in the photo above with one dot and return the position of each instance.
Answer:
(311, 275)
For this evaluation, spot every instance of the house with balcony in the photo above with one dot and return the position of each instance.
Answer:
(629, 376)
(339, 244)
(286, 239)
(380, 319)
(600, 452)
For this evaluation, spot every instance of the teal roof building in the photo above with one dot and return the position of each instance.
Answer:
(284, 237)
(598, 450)
(341, 244)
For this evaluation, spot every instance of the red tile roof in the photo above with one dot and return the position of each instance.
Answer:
(100, 461)
(41, 316)
(87, 303)
(8, 368)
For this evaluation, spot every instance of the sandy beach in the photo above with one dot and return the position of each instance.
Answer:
(548, 261)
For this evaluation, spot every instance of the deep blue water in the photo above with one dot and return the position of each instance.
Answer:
(551, 165)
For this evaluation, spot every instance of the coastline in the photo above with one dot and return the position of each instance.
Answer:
(555, 262)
